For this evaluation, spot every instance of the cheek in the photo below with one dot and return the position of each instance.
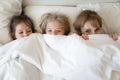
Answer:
(47, 32)
(30, 32)
(17, 36)
(99, 32)
(82, 30)
(62, 33)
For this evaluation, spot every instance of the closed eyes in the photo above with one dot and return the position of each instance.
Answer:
(88, 30)
(21, 32)
(55, 30)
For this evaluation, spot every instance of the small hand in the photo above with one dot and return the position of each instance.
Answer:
(114, 36)
(85, 36)
(71, 33)
(118, 34)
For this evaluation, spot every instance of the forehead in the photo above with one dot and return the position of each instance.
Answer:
(22, 25)
(55, 24)
(90, 25)
(93, 23)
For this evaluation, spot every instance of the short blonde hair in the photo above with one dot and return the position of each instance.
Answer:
(48, 17)
(83, 17)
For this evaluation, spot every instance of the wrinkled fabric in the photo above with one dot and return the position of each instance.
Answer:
(47, 57)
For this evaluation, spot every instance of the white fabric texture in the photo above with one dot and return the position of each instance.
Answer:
(47, 57)
(8, 8)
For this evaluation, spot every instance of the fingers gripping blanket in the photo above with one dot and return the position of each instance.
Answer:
(47, 57)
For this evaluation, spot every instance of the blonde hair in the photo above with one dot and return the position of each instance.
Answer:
(83, 17)
(48, 17)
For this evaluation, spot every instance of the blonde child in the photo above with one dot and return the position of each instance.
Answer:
(21, 26)
(55, 24)
(89, 22)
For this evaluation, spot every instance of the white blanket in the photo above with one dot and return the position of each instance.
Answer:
(47, 57)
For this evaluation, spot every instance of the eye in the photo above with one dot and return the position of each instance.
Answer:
(49, 30)
(21, 32)
(88, 31)
(29, 31)
(58, 30)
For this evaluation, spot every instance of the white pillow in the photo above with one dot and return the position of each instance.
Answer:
(110, 13)
(62, 2)
(8, 8)
(35, 12)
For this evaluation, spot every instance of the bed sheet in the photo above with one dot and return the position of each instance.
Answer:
(47, 57)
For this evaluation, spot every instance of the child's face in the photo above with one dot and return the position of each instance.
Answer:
(55, 28)
(22, 30)
(89, 29)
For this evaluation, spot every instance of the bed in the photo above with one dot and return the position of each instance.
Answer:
(42, 57)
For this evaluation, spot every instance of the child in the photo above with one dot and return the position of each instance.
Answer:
(21, 26)
(55, 24)
(89, 22)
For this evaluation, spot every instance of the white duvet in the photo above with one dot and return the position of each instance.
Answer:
(47, 57)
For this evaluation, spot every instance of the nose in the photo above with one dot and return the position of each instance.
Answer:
(54, 33)
(93, 32)
(26, 34)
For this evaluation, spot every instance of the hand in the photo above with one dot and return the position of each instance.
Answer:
(114, 36)
(85, 36)
(118, 34)
(71, 33)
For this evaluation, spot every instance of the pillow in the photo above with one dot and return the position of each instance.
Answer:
(110, 13)
(8, 8)
(35, 13)
(62, 2)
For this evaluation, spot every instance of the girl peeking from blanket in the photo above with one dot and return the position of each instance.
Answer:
(21, 26)
(54, 24)
(89, 22)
